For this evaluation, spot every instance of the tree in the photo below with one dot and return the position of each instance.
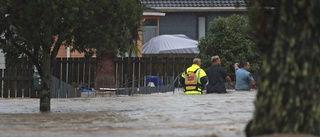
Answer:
(288, 96)
(38, 29)
(228, 38)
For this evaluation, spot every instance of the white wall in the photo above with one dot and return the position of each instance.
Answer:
(2, 60)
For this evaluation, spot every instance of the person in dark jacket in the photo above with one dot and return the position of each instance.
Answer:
(217, 76)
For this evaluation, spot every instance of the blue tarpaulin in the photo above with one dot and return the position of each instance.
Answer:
(84, 89)
(155, 79)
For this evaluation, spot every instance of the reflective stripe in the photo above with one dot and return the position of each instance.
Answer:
(192, 92)
(197, 88)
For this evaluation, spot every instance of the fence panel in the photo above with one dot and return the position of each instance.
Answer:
(60, 89)
(76, 71)
(16, 82)
(19, 83)
(130, 72)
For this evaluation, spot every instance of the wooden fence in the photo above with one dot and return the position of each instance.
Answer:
(16, 83)
(21, 83)
(60, 89)
(76, 71)
(129, 71)
(136, 70)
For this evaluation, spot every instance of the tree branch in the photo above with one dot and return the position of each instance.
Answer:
(28, 53)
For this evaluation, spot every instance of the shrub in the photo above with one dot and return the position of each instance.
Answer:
(228, 37)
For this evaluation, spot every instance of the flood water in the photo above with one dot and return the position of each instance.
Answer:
(148, 115)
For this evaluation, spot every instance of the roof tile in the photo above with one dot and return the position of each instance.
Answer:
(194, 3)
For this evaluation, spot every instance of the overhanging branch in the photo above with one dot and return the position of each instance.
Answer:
(28, 53)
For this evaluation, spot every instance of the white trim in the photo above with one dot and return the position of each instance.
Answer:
(199, 9)
(68, 52)
(153, 14)
(2, 60)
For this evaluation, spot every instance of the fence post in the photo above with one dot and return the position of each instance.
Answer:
(2, 82)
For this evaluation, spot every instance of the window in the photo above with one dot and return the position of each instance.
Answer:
(150, 29)
(201, 27)
(150, 22)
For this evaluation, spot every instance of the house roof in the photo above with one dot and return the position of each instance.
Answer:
(148, 11)
(195, 5)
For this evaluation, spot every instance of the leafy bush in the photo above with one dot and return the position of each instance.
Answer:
(229, 39)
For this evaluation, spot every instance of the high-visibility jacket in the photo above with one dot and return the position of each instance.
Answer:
(201, 80)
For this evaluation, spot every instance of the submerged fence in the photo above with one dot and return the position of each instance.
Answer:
(21, 83)
(76, 71)
(60, 89)
(16, 83)
(133, 76)
(131, 73)
(138, 69)
(149, 84)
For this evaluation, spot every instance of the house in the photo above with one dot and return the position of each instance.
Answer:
(188, 17)
(65, 52)
(151, 15)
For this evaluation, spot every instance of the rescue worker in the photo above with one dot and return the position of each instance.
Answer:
(194, 78)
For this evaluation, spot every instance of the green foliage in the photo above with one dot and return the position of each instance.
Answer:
(288, 36)
(37, 29)
(89, 26)
(109, 26)
(229, 39)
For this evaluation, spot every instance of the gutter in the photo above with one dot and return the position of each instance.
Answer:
(153, 14)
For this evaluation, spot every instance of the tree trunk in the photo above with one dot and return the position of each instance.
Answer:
(105, 74)
(289, 90)
(45, 92)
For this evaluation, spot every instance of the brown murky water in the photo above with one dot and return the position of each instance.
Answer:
(155, 115)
